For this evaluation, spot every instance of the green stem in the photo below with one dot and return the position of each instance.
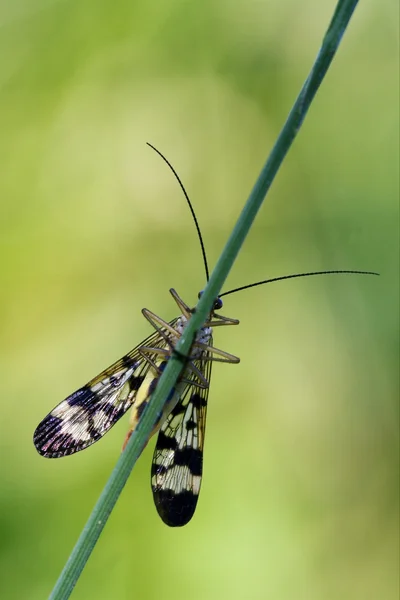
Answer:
(126, 461)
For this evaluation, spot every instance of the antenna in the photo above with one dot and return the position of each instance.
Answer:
(203, 250)
(245, 287)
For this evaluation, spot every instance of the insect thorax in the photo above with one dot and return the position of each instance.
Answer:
(203, 336)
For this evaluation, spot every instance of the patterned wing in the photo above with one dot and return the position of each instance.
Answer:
(85, 416)
(178, 457)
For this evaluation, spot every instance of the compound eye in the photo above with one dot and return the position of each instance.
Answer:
(218, 304)
(200, 294)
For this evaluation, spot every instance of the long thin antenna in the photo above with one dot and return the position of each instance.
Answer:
(203, 250)
(245, 287)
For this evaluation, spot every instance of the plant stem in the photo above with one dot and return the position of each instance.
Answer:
(125, 463)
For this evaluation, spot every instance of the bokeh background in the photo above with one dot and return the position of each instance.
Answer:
(300, 492)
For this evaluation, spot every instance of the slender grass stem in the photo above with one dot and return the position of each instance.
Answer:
(125, 463)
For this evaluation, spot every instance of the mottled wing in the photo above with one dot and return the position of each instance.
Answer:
(85, 416)
(178, 457)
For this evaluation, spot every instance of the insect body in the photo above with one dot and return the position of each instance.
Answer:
(85, 416)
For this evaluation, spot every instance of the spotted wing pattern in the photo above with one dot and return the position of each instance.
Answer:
(85, 416)
(178, 457)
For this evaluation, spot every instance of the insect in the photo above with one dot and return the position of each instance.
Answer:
(87, 414)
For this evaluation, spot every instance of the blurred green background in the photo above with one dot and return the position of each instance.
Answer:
(300, 492)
